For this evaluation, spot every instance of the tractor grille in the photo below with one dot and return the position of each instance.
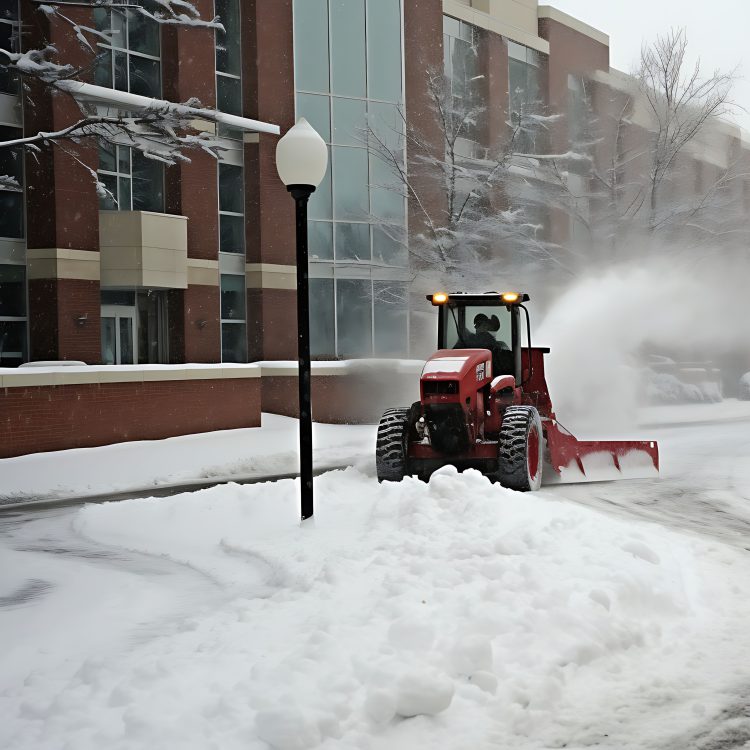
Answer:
(435, 387)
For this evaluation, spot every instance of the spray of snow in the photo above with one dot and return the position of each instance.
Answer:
(599, 329)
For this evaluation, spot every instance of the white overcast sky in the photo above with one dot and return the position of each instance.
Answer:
(718, 32)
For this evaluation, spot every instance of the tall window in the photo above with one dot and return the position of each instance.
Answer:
(525, 93)
(348, 68)
(12, 315)
(460, 58)
(229, 63)
(9, 40)
(133, 182)
(132, 60)
(233, 316)
(231, 209)
(11, 192)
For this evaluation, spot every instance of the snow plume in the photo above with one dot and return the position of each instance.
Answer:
(601, 326)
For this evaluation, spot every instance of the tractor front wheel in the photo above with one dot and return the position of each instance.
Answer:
(520, 449)
(391, 448)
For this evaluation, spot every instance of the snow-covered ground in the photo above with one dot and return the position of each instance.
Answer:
(454, 614)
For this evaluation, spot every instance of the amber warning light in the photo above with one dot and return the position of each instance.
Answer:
(440, 298)
(510, 297)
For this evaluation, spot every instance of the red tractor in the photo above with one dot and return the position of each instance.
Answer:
(484, 404)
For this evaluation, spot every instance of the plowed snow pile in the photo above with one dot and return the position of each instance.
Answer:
(450, 615)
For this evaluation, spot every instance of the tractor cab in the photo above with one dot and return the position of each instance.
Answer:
(483, 321)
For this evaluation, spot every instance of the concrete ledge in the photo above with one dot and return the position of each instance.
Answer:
(547, 11)
(52, 376)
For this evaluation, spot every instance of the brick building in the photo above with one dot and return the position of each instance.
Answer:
(194, 263)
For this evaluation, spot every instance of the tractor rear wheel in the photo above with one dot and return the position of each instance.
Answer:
(520, 449)
(391, 448)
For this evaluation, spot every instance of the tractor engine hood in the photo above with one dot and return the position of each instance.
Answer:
(455, 375)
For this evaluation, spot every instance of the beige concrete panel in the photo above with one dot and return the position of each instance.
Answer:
(270, 276)
(74, 378)
(547, 11)
(197, 275)
(523, 28)
(62, 263)
(164, 230)
(117, 277)
(23, 379)
(163, 279)
(241, 372)
(120, 375)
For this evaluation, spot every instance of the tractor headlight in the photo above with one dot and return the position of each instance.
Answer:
(440, 298)
(510, 297)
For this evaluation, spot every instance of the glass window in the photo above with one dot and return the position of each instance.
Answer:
(386, 192)
(389, 245)
(131, 181)
(391, 318)
(387, 122)
(354, 317)
(316, 110)
(350, 179)
(233, 342)
(384, 49)
(322, 315)
(232, 297)
(228, 45)
(348, 76)
(9, 83)
(320, 240)
(12, 343)
(321, 203)
(349, 121)
(352, 242)
(229, 95)
(130, 60)
(231, 188)
(11, 199)
(231, 209)
(311, 45)
(148, 184)
(12, 291)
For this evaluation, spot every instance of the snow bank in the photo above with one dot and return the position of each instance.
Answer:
(454, 614)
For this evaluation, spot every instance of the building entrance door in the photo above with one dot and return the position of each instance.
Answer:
(119, 345)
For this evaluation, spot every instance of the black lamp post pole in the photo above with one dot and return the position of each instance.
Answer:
(301, 194)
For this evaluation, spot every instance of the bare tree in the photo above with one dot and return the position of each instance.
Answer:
(681, 105)
(161, 130)
(475, 203)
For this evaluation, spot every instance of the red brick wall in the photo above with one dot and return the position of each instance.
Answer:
(272, 324)
(46, 418)
(54, 308)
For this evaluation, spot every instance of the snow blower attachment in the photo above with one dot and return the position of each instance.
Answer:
(484, 404)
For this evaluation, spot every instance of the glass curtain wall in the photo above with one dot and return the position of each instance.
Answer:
(349, 73)
(129, 61)
(9, 40)
(525, 94)
(461, 66)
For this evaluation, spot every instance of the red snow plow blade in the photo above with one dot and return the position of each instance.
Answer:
(576, 460)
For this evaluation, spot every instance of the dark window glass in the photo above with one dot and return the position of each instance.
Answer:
(145, 76)
(354, 317)
(12, 343)
(228, 47)
(311, 45)
(11, 159)
(390, 307)
(143, 34)
(352, 242)
(320, 240)
(384, 49)
(229, 95)
(322, 326)
(232, 297)
(233, 342)
(116, 297)
(8, 40)
(11, 214)
(231, 188)
(148, 184)
(232, 234)
(108, 201)
(107, 157)
(103, 69)
(348, 48)
(123, 194)
(12, 291)
(315, 109)
(121, 71)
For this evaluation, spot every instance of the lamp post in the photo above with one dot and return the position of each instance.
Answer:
(301, 160)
